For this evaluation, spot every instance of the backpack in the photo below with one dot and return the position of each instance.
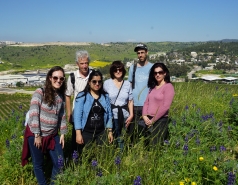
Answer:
(133, 75)
(72, 77)
(27, 114)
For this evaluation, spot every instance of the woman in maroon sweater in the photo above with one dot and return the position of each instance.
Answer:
(157, 103)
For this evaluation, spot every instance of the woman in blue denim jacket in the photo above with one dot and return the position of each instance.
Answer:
(92, 113)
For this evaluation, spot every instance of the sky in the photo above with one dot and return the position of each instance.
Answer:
(103, 21)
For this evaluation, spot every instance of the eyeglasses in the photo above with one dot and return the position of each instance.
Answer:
(117, 69)
(60, 78)
(96, 81)
(159, 72)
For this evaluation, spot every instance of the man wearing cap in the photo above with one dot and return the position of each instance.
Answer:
(139, 79)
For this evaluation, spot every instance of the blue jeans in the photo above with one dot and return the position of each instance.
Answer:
(38, 160)
(118, 133)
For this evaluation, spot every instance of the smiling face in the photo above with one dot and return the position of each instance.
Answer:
(96, 83)
(57, 79)
(159, 75)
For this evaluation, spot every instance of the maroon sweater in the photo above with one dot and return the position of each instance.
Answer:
(48, 143)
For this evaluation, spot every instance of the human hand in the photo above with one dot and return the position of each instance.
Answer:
(148, 122)
(110, 137)
(62, 140)
(37, 141)
(128, 121)
(79, 138)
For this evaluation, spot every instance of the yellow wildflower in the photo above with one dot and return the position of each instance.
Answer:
(193, 183)
(21, 137)
(181, 183)
(234, 95)
(187, 179)
(201, 158)
(215, 168)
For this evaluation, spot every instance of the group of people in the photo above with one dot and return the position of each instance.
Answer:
(101, 111)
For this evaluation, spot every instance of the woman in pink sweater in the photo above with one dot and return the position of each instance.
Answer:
(157, 103)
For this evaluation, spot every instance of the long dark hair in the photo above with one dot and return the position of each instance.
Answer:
(49, 91)
(92, 74)
(152, 81)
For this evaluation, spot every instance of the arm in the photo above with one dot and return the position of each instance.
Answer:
(78, 115)
(130, 107)
(68, 108)
(34, 112)
(145, 111)
(110, 117)
(68, 93)
(168, 99)
(63, 125)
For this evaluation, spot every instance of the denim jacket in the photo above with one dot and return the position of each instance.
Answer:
(83, 106)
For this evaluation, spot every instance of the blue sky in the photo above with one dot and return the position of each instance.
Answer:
(104, 21)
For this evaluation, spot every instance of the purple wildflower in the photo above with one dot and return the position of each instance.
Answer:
(60, 162)
(166, 142)
(229, 128)
(14, 136)
(7, 143)
(186, 107)
(137, 180)
(20, 106)
(186, 139)
(231, 178)
(222, 148)
(94, 163)
(117, 161)
(185, 148)
(99, 173)
(198, 141)
(75, 156)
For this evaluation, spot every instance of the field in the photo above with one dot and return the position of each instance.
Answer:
(202, 148)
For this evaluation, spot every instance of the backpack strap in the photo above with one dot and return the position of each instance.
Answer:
(72, 77)
(133, 75)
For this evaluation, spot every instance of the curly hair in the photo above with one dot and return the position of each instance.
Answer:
(152, 81)
(49, 92)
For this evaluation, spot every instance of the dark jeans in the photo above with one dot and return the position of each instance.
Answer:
(117, 133)
(157, 133)
(89, 137)
(134, 130)
(38, 160)
(73, 141)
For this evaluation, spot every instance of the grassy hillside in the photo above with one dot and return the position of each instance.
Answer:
(31, 58)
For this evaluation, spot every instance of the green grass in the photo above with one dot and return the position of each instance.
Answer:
(203, 118)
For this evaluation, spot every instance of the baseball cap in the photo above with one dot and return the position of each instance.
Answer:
(140, 46)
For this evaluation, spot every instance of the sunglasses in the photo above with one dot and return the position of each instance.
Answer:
(159, 72)
(118, 69)
(60, 78)
(96, 81)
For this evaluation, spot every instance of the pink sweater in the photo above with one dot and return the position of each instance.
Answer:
(158, 101)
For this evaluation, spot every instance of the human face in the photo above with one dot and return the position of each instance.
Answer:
(96, 83)
(57, 79)
(159, 74)
(142, 55)
(118, 73)
(83, 65)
